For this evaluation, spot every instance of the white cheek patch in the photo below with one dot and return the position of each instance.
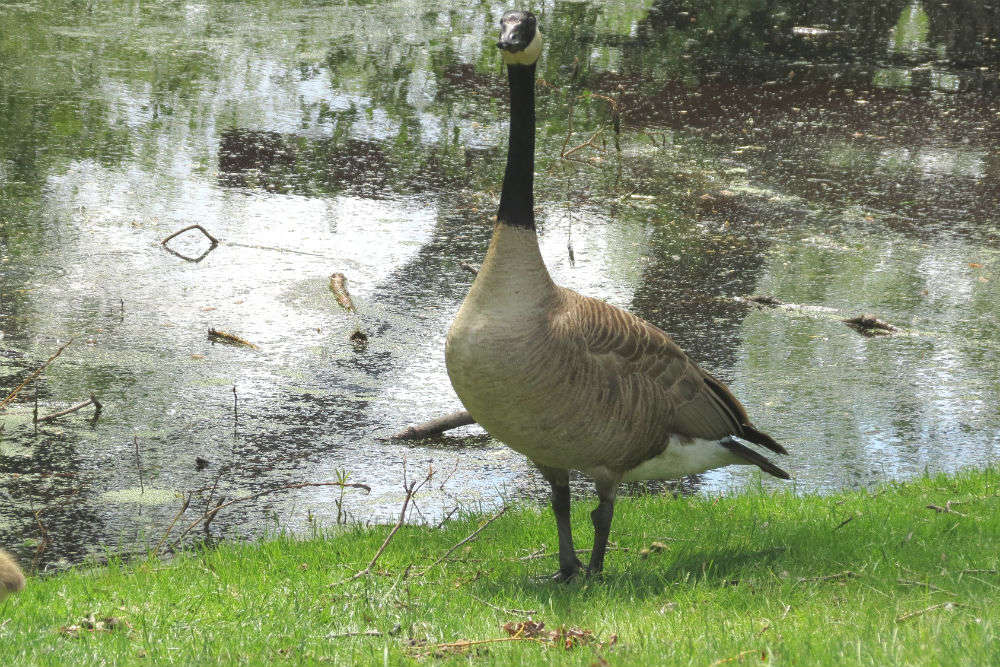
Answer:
(529, 55)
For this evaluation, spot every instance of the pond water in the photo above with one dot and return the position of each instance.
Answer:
(843, 161)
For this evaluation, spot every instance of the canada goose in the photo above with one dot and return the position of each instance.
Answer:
(11, 577)
(569, 381)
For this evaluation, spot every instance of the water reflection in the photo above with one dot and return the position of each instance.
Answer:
(840, 158)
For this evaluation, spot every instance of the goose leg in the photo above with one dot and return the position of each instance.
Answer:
(601, 517)
(569, 564)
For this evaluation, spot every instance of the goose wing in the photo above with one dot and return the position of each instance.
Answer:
(653, 373)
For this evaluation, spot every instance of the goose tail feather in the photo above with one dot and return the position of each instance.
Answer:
(751, 434)
(750, 456)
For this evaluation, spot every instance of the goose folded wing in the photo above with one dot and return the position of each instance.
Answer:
(638, 354)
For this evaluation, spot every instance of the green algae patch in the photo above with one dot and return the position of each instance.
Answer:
(144, 496)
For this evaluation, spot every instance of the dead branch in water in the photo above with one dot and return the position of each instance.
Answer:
(474, 270)
(338, 285)
(187, 501)
(215, 335)
(38, 371)
(214, 241)
(62, 413)
(869, 325)
(435, 426)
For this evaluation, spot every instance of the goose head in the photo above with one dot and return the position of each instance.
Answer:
(520, 38)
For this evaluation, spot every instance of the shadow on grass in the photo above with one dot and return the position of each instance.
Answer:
(780, 557)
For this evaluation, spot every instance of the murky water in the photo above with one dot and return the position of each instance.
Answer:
(843, 163)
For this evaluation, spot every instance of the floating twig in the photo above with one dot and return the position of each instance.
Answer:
(471, 268)
(36, 373)
(869, 325)
(230, 339)
(338, 285)
(138, 464)
(213, 243)
(62, 413)
(765, 300)
(435, 426)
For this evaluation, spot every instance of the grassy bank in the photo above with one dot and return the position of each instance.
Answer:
(869, 578)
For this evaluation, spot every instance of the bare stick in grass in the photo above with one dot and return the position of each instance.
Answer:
(362, 633)
(847, 521)
(468, 539)
(511, 612)
(840, 576)
(62, 413)
(411, 490)
(739, 657)
(36, 373)
(945, 510)
(933, 607)
(923, 584)
(435, 426)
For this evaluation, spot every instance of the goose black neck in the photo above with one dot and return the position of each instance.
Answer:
(517, 199)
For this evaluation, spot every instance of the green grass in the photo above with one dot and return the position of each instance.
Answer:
(751, 579)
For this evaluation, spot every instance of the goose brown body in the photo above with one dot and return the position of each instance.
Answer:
(571, 382)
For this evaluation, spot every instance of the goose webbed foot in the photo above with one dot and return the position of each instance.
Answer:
(570, 572)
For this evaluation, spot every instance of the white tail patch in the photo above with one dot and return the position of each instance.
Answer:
(683, 457)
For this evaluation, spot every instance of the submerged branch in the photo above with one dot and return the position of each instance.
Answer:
(62, 413)
(435, 426)
(38, 371)
(230, 339)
